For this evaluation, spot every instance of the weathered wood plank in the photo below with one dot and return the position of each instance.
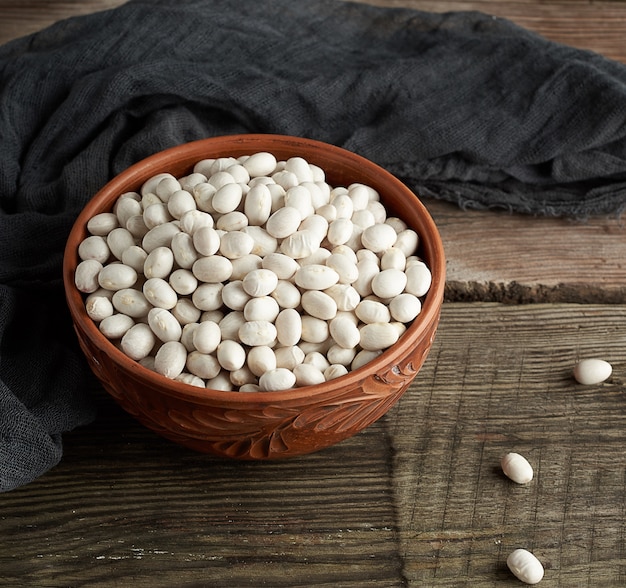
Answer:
(498, 380)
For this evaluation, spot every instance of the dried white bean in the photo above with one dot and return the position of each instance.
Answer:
(288, 357)
(282, 265)
(206, 241)
(335, 371)
(286, 294)
(135, 257)
(389, 283)
(231, 355)
(156, 214)
(592, 371)
(208, 296)
(255, 333)
(344, 332)
(363, 357)
(183, 249)
(314, 330)
(407, 242)
(260, 164)
(98, 307)
(159, 293)
(138, 341)
(260, 282)
(159, 236)
(317, 359)
(206, 337)
(117, 276)
(220, 382)
(308, 374)
(183, 281)
(94, 247)
(284, 222)
(319, 304)
(159, 263)
(418, 278)
(164, 325)
(288, 327)
(131, 302)
(316, 276)
(378, 336)
(170, 359)
(232, 221)
(278, 379)
(236, 244)
(345, 267)
(116, 325)
(371, 311)
(227, 197)
(119, 240)
(102, 224)
(261, 308)
(525, 566)
(393, 258)
(186, 312)
(405, 307)
(345, 296)
(261, 359)
(244, 265)
(86, 275)
(264, 243)
(212, 269)
(258, 205)
(230, 325)
(234, 296)
(300, 244)
(517, 468)
(193, 220)
(203, 365)
(378, 237)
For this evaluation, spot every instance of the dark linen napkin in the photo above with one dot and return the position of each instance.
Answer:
(462, 106)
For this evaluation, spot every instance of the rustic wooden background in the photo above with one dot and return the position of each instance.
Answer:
(417, 499)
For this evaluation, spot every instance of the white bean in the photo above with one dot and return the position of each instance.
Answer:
(258, 204)
(288, 327)
(261, 308)
(170, 359)
(131, 302)
(378, 237)
(102, 224)
(314, 330)
(203, 365)
(371, 311)
(264, 243)
(282, 265)
(186, 312)
(378, 336)
(236, 244)
(159, 263)
(261, 359)
(86, 275)
(244, 265)
(183, 281)
(517, 468)
(208, 296)
(234, 296)
(286, 294)
(288, 357)
(308, 375)
(119, 240)
(159, 293)
(116, 325)
(138, 341)
(164, 325)
(98, 307)
(255, 333)
(260, 164)
(135, 257)
(180, 202)
(344, 332)
(418, 278)
(117, 276)
(232, 221)
(231, 355)
(316, 277)
(525, 566)
(207, 336)
(206, 241)
(159, 236)
(260, 282)
(335, 370)
(227, 197)
(284, 222)
(405, 307)
(212, 269)
(319, 304)
(230, 325)
(300, 244)
(278, 379)
(592, 371)
(185, 254)
(389, 283)
(94, 247)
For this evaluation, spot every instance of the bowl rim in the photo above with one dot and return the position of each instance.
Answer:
(176, 155)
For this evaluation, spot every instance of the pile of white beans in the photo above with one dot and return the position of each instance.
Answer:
(251, 274)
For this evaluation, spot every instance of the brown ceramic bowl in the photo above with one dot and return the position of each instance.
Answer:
(263, 425)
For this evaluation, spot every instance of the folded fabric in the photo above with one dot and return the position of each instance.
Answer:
(461, 106)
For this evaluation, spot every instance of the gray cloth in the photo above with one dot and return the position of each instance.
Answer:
(462, 106)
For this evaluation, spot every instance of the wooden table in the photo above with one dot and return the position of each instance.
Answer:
(417, 499)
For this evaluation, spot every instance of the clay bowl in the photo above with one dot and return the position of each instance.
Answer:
(263, 425)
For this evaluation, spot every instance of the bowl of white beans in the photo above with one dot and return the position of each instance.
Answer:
(255, 296)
